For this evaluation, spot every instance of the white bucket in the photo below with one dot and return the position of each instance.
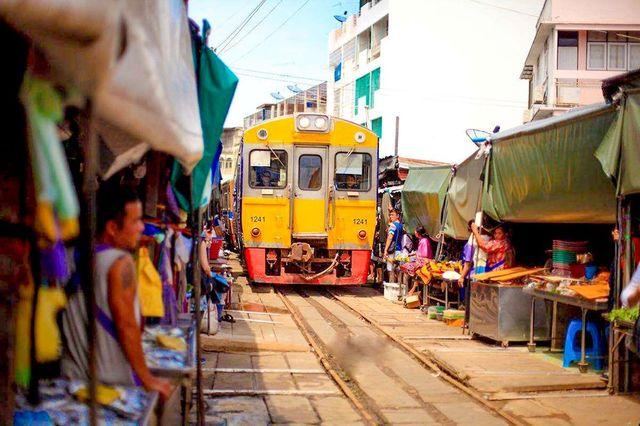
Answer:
(391, 291)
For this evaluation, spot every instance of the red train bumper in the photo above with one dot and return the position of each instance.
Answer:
(256, 267)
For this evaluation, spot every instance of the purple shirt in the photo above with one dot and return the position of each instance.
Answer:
(467, 256)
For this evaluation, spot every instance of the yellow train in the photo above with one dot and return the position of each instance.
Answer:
(307, 200)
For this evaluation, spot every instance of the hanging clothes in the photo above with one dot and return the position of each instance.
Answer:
(165, 268)
(182, 254)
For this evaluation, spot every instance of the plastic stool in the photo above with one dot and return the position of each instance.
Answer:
(593, 353)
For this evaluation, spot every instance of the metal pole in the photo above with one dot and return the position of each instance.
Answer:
(196, 226)
(396, 143)
(87, 244)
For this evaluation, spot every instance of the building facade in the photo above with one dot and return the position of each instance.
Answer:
(313, 99)
(578, 43)
(420, 73)
(231, 139)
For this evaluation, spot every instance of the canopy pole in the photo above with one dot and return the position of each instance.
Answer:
(479, 206)
(196, 226)
(444, 214)
(87, 244)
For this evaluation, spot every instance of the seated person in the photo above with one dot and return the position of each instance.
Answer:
(264, 180)
(120, 358)
(350, 182)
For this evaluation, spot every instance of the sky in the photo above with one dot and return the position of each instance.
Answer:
(291, 36)
(298, 48)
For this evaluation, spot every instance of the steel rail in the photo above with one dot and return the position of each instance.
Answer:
(423, 359)
(324, 360)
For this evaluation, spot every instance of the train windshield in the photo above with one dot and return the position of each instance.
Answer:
(353, 171)
(268, 168)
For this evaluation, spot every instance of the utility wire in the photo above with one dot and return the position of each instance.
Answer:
(225, 21)
(229, 47)
(261, 77)
(278, 74)
(233, 34)
(274, 31)
(504, 8)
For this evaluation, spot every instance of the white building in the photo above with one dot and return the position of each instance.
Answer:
(231, 139)
(313, 99)
(440, 66)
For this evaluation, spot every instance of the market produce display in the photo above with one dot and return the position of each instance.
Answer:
(63, 404)
(624, 314)
(166, 347)
(433, 269)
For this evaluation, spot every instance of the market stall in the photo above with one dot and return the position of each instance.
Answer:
(542, 174)
(122, 96)
(619, 155)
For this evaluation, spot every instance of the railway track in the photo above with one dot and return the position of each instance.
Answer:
(362, 357)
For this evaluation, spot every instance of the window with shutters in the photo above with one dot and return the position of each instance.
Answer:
(376, 126)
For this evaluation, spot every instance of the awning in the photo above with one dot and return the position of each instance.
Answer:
(619, 153)
(422, 197)
(151, 101)
(464, 197)
(546, 171)
(78, 38)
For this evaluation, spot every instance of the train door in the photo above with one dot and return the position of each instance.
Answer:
(310, 192)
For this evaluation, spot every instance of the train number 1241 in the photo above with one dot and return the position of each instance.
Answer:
(359, 221)
(255, 219)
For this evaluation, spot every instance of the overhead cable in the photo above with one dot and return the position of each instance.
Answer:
(233, 34)
(229, 47)
(273, 32)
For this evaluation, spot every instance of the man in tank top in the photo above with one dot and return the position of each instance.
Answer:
(120, 359)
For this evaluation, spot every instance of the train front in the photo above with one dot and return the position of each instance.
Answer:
(308, 200)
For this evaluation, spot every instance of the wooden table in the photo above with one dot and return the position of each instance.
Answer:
(617, 333)
(447, 283)
(585, 306)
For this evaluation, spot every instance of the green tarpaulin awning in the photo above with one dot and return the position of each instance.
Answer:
(619, 152)
(422, 197)
(216, 87)
(546, 171)
(463, 197)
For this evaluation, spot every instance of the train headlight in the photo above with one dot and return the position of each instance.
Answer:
(255, 232)
(312, 123)
(362, 234)
(304, 122)
(263, 134)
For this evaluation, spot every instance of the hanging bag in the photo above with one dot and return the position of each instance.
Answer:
(149, 286)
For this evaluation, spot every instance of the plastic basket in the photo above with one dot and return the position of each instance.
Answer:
(214, 250)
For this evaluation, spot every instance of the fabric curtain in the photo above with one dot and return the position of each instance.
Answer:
(423, 196)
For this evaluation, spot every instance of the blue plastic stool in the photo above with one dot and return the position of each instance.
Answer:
(593, 353)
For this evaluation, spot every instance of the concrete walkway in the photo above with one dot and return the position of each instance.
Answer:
(532, 387)
(264, 371)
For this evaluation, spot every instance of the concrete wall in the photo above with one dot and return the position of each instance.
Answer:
(447, 66)
(595, 11)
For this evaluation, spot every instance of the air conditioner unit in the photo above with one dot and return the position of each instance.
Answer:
(537, 96)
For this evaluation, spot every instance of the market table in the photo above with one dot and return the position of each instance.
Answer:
(620, 329)
(183, 375)
(447, 283)
(585, 306)
(499, 311)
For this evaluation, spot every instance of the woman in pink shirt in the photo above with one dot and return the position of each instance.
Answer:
(423, 253)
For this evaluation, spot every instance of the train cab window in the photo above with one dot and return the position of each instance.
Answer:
(353, 171)
(267, 169)
(310, 172)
